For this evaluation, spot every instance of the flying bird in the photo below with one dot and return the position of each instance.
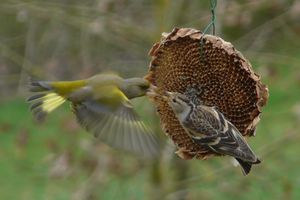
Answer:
(102, 106)
(209, 128)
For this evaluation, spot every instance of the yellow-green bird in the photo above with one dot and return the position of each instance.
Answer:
(102, 106)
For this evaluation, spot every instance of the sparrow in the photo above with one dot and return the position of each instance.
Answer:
(208, 127)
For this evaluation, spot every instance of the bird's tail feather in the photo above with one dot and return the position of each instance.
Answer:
(246, 166)
(45, 101)
(40, 86)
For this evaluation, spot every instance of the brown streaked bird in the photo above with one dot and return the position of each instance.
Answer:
(209, 128)
(102, 106)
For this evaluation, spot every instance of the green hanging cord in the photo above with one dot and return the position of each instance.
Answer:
(213, 5)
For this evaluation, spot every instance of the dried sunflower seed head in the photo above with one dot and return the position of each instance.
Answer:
(215, 74)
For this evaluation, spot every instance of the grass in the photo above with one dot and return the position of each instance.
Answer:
(58, 160)
(28, 151)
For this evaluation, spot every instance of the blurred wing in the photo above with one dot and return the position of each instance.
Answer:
(120, 128)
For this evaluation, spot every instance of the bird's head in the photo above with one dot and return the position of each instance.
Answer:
(135, 87)
(179, 103)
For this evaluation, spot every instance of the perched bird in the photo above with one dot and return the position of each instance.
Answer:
(208, 127)
(102, 106)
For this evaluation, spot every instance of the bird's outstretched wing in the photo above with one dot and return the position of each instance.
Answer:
(120, 127)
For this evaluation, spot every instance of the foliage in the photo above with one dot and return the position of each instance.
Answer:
(69, 40)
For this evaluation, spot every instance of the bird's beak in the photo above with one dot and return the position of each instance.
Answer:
(167, 95)
(153, 87)
(151, 92)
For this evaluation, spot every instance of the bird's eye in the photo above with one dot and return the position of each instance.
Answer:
(174, 100)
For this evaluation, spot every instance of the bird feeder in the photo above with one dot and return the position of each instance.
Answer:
(220, 75)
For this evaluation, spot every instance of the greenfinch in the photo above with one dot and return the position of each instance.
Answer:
(102, 106)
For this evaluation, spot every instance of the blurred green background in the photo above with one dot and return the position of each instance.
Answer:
(63, 39)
